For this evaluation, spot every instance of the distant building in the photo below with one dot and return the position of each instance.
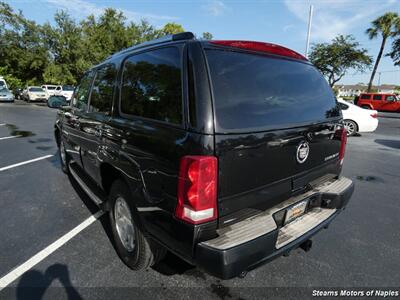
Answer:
(351, 90)
(386, 88)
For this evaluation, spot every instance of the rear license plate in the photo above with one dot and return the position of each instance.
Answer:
(296, 211)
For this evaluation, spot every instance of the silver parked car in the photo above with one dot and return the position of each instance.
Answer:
(34, 93)
(6, 95)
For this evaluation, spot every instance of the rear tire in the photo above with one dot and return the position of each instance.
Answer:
(351, 127)
(133, 247)
(63, 157)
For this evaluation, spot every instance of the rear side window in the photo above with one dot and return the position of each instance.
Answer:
(365, 96)
(252, 92)
(377, 97)
(81, 94)
(102, 90)
(151, 85)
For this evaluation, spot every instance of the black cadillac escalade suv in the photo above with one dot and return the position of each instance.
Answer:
(226, 153)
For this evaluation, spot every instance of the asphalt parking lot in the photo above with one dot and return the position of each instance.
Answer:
(39, 204)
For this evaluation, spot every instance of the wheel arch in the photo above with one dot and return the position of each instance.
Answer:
(57, 135)
(109, 174)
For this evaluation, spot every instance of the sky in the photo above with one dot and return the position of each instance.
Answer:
(282, 22)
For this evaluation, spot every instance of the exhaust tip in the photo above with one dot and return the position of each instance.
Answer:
(306, 246)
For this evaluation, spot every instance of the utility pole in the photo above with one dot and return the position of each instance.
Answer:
(309, 29)
(379, 79)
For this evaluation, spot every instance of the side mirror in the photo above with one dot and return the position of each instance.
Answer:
(56, 101)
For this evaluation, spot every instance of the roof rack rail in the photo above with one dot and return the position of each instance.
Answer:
(168, 38)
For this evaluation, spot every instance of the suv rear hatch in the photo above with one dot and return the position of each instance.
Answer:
(276, 128)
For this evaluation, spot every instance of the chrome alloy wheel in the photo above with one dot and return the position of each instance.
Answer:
(350, 127)
(124, 224)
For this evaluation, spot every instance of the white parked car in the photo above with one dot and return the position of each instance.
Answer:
(34, 93)
(3, 83)
(49, 89)
(357, 119)
(65, 90)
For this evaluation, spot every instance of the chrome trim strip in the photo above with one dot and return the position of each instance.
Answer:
(83, 185)
(264, 223)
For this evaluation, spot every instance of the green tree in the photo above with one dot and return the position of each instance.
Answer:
(60, 52)
(172, 28)
(385, 26)
(22, 47)
(12, 81)
(336, 58)
(395, 52)
(207, 36)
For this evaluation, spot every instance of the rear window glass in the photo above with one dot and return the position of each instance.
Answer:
(253, 92)
(36, 89)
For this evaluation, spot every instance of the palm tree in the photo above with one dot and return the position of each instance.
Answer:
(384, 25)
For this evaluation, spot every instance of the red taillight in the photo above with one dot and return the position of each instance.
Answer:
(374, 115)
(262, 47)
(197, 189)
(343, 139)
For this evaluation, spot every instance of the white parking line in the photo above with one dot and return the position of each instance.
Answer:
(2, 124)
(34, 260)
(25, 162)
(10, 137)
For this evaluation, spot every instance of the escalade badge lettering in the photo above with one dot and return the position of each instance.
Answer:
(302, 152)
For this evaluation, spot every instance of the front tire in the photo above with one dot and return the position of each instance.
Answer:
(351, 127)
(132, 246)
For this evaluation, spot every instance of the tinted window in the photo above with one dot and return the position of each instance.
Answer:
(102, 90)
(81, 94)
(390, 98)
(365, 96)
(254, 91)
(51, 88)
(343, 106)
(36, 89)
(151, 85)
(377, 97)
(2, 83)
(68, 88)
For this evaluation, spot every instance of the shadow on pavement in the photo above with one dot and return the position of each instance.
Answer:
(170, 265)
(389, 143)
(34, 284)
